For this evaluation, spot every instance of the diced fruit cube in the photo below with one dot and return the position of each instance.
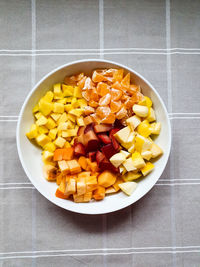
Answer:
(128, 164)
(68, 107)
(101, 128)
(61, 190)
(45, 107)
(76, 112)
(117, 159)
(80, 121)
(63, 118)
(84, 175)
(99, 193)
(92, 156)
(68, 90)
(156, 150)
(87, 196)
(58, 108)
(99, 157)
(128, 187)
(106, 178)
(42, 129)
(47, 156)
(133, 122)
(38, 114)
(57, 90)
(146, 102)
(35, 109)
(123, 134)
(79, 150)
(116, 184)
(48, 96)
(41, 121)
(141, 111)
(110, 190)
(82, 103)
(151, 116)
(91, 183)
(147, 168)
(144, 128)
(70, 187)
(125, 153)
(146, 154)
(81, 186)
(50, 147)
(130, 176)
(77, 92)
(63, 166)
(83, 162)
(60, 142)
(142, 143)
(55, 116)
(108, 150)
(104, 138)
(131, 149)
(88, 120)
(42, 139)
(63, 126)
(50, 123)
(138, 161)
(33, 132)
(130, 141)
(49, 172)
(155, 127)
(74, 166)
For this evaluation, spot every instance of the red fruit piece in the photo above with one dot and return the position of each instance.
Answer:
(88, 128)
(92, 145)
(118, 124)
(92, 156)
(99, 157)
(101, 128)
(113, 131)
(104, 138)
(79, 150)
(114, 141)
(108, 150)
(91, 141)
(106, 165)
(81, 130)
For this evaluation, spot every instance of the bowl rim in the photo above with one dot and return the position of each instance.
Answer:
(167, 153)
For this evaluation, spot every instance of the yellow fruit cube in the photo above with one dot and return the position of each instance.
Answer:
(35, 109)
(130, 176)
(57, 90)
(45, 107)
(58, 108)
(63, 166)
(76, 112)
(50, 147)
(128, 164)
(156, 150)
(155, 127)
(48, 96)
(50, 123)
(130, 141)
(80, 121)
(63, 118)
(133, 122)
(117, 159)
(67, 144)
(147, 168)
(144, 128)
(82, 103)
(138, 161)
(42, 139)
(146, 154)
(71, 187)
(81, 186)
(63, 126)
(47, 156)
(151, 116)
(77, 92)
(68, 107)
(53, 133)
(71, 117)
(62, 101)
(68, 90)
(123, 134)
(37, 115)
(69, 99)
(55, 116)
(33, 132)
(146, 102)
(69, 133)
(71, 125)
(60, 142)
(41, 121)
(42, 129)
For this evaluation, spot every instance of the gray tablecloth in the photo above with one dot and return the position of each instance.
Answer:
(159, 39)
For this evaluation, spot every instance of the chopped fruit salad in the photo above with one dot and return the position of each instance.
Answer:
(96, 134)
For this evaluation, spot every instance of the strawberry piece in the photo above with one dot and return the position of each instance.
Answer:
(92, 156)
(99, 157)
(88, 128)
(91, 141)
(101, 128)
(115, 143)
(108, 150)
(79, 150)
(104, 138)
(106, 165)
(118, 124)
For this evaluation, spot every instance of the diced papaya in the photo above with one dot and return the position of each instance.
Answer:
(81, 186)
(74, 166)
(91, 183)
(84, 174)
(63, 154)
(83, 162)
(70, 187)
(118, 181)
(106, 178)
(99, 193)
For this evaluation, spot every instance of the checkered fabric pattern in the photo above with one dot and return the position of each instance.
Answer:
(159, 39)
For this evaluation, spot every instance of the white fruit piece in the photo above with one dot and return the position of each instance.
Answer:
(151, 116)
(49, 172)
(133, 122)
(117, 159)
(146, 154)
(130, 141)
(60, 142)
(128, 164)
(110, 190)
(122, 170)
(156, 150)
(147, 168)
(55, 116)
(155, 127)
(125, 153)
(128, 187)
(138, 161)
(63, 166)
(142, 144)
(131, 149)
(123, 134)
(141, 111)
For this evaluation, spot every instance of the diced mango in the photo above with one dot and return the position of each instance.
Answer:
(42, 129)
(63, 118)
(48, 96)
(60, 142)
(77, 92)
(50, 147)
(41, 121)
(55, 116)
(71, 117)
(62, 101)
(45, 107)
(146, 102)
(138, 161)
(38, 115)
(58, 108)
(33, 132)
(80, 121)
(144, 128)
(35, 109)
(82, 102)
(52, 133)
(47, 156)
(42, 139)
(68, 90)
(50, 123)
(130, 176)
(106, 178)
(147, 168)
(76, 112)
(99, 193)
(74, 102)
(57, 90)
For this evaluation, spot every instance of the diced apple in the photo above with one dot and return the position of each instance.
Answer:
(151, 116)
(117, 159)
(146, 154)
(128, 164)
(47, 156)
(147, 168)
(125, 153)
(128, 187)
(156, 150)
(130, 141)
(63, 126)
(133, 122)
(138, 161)
(123, 134)
(60, 142)
(155, 127)
(130, 176)
(141, 111)
(49, 172)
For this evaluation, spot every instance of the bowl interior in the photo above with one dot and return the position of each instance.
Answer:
(30, 155)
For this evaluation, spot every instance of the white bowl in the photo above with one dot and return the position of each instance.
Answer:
(30, 155)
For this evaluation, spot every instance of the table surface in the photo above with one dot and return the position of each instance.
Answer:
(159, 39)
